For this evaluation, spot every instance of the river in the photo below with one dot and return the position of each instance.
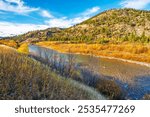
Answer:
(134, 79)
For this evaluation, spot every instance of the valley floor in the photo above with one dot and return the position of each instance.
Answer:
(134, 52)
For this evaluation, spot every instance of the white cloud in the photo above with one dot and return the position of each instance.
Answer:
(65, 22)
(91, 11)
(18, 6)
(137, 4)
(10, 29)
(45, 13)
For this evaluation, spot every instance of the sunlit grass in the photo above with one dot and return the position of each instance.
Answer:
(10, 43)
(24, 78)
(136, 52)
(24, 48)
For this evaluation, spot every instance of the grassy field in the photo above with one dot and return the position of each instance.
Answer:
(135, 51)
(24, 48)
(24, 78)
(21, 47)
(10, 43)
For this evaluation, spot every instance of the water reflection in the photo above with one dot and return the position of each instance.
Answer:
(132, 78)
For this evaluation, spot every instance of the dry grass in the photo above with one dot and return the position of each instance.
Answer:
(136, 52)
(24, 48)
(10, 43)
(24, 78)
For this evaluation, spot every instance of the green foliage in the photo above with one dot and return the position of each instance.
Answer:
(103, 41)
(122, 24)
(36, 36)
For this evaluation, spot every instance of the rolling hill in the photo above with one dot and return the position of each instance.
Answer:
(108, 34)
(110, 26)
(34, 36)
(116, 25)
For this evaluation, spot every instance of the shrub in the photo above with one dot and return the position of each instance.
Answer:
(24, 78)
(103, 41)
(109, 88)
(146, 97)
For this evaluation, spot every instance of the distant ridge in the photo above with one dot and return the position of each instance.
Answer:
(115, 25)
(111, 26)
(38, 35)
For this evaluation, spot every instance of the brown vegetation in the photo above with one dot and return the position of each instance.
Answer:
(136, 52)
(109, 88)
(10, 43)
(24, 78)
(66, 68)
(146, 97)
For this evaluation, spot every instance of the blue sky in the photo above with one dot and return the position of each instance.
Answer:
(20, 16)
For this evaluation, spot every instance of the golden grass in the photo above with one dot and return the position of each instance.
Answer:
(24, 78)
(24, 48)
(136, 52)
(10, 43)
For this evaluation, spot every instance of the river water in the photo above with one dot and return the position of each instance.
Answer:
(134, 79)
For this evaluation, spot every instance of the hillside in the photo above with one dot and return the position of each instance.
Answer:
(116, 25)
(122, 34)
(110, 26)
(22, 77)
(34, 36)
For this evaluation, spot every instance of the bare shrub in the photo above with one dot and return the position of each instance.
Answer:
(146, 97)
(109, 88)
(24, 78)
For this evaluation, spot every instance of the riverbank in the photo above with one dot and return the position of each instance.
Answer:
(20, 47)
(20, 80)
(132, 78)
(133, 53)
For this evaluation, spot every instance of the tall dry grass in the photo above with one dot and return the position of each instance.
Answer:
(24, 78)
(136, 52)
(24, 48)
(10, 43)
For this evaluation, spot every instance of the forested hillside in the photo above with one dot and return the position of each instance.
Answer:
(116, 25)
(110, 26)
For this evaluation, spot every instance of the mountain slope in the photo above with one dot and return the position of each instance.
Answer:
(116, 25)
(110, 26)
(34, 36)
